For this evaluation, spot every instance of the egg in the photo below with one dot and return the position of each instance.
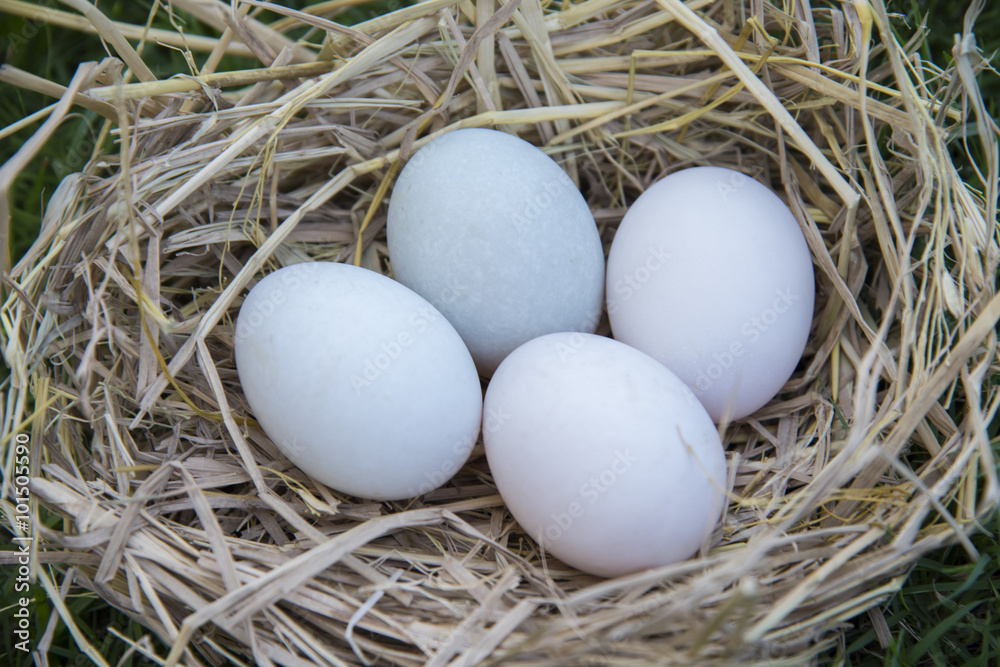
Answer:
(496, 235)
(359, 381)
(602, 455)
(710, 274)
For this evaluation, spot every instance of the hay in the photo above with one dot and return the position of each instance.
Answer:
(178, 510)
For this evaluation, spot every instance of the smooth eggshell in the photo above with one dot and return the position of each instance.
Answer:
(602, 454)
(493, 232)
(359, 381)
(710, 274)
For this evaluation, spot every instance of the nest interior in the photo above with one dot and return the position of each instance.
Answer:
(176, 508)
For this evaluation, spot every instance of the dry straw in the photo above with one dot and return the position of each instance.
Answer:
(178, 510)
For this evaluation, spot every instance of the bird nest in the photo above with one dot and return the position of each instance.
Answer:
(175, 507)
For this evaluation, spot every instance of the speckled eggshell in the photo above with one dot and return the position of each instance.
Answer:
(602, 455)
(710, 274)
(493, 232)
(359, 381)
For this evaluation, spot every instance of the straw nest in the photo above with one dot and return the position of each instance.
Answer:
(178, 510)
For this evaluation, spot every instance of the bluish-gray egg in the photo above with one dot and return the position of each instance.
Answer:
(496, 235)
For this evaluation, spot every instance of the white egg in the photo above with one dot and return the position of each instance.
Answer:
(602, 454)
(710, 274)
(360, 382)
(493, 232)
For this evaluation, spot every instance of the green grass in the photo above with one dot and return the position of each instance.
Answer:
(943, 19)
(948, 612)
(92, 615)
